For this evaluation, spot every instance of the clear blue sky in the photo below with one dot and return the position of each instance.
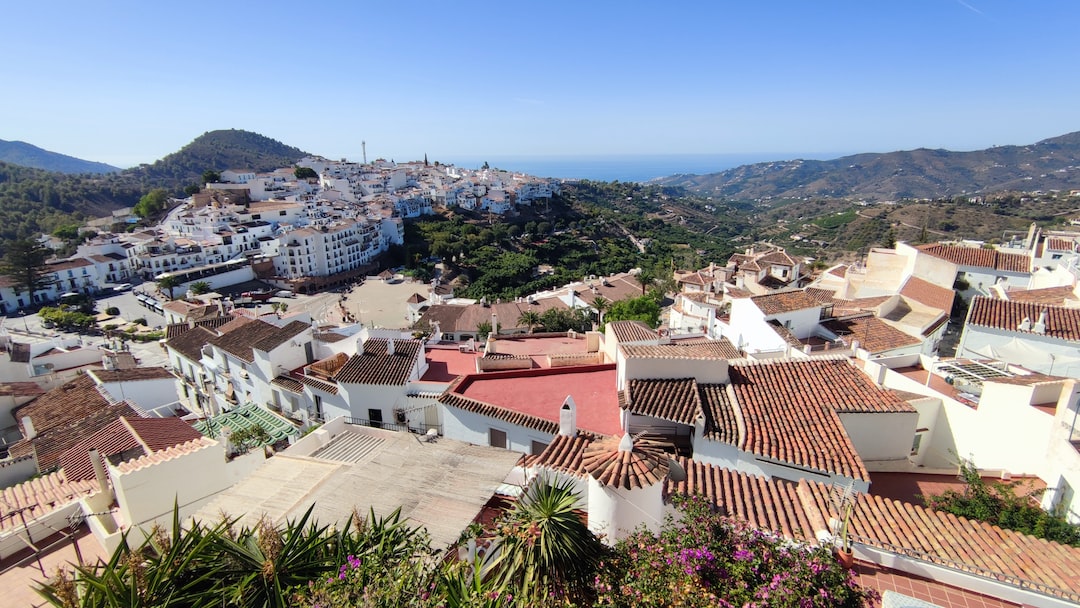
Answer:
(128, 82)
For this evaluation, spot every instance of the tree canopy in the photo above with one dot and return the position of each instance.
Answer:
(24, 262)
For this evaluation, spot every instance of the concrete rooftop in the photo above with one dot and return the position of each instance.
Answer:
(441, 486)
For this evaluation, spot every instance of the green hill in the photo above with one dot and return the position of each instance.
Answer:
(35, 200)
(28, 155)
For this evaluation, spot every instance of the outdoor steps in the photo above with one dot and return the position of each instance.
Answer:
(349, 447)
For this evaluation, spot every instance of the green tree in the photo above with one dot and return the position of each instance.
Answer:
(643, 308)
(305, 173)
(601, 304)
(152, 203)
(210, 176)
(69, 232)
(24, 262)
(168, 282)
(191, 189)
(483, 328)
(530, 319)
(200, 287)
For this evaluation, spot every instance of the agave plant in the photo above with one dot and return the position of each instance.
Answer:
(545, 547)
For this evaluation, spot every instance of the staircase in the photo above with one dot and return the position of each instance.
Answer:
(349, 447)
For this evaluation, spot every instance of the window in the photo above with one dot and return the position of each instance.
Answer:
(538, 447)
(497, 438)
(916, 444)
(283, 212)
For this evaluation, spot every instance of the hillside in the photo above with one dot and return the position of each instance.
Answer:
(35, 200)
(28, 155)
(219, 150)
(1051, 164)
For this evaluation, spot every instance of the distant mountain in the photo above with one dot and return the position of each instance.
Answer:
(219, 150)
(28, 155)
(1051, 164)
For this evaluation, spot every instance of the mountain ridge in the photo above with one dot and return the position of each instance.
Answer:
(1049, 164)
(28, 155)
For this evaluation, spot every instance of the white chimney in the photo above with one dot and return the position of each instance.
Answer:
(390, 346)
(1025, 325)
(494, 323)
(99, 471)
(1040, 325)
(568, 418)
(626, 444)
(624, 419)
(28, 427)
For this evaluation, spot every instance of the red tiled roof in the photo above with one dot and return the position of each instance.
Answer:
(132, 437)
(839, 271)
(190, 343)
(721, 421)
(134, 374)
(845, 307)
(925, 292)
(256, 335)
(778, 258)
(175, 329)
(790, 411)
(785, 334)
(40, 496)
(712, 349)
(632, 331)
(1061, 322)
(676, 400)
(564, 454)
(873, 334)
(288, 383)
(375, 366)
(1055, 243)
(979, 257)
(20, 389)
(766, 504)
(49, 445)
(1057, 296)
(821, 296)
(785, 301)
(644, 465)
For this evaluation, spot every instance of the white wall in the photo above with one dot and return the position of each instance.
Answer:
(881, 436)
(975, 341)
(473, 428)
(147, 394)
(149, 493)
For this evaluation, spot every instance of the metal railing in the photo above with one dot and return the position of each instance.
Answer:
(394, 426)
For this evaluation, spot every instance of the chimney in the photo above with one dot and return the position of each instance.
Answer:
(390, 347)
(99, 470)
(494, 323)
(626, 444)
(568, 418)
(28, 427)
(1040, 325)
(1025, 325)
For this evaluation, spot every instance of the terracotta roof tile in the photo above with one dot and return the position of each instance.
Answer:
(785, 301)
(785, 334)
(873, 334)
(711, 349)
(925, 292)
(632, 331)
(256, 335)
(128, 436)
(20, 389)
(565, 454)
(778, 258)
(288, 383)
(1055, 243)
(175, 329)
(166, 454)
(48, 445)
(857, 305)
(790, 411)
(721, 419)
(821, 296)
(454, 318)
(1056, 296)
(131, 375)
(676, 400)
(979, 257)
(375, 366)
(455, 400)
(1061, 322)
(642, 466)
(839, 271)
(190, 343)
(766, 504)
(40, 496)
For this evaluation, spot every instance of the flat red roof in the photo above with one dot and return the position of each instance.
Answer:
(445, 365)
(541, 393)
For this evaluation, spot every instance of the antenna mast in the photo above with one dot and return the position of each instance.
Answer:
(363, 146)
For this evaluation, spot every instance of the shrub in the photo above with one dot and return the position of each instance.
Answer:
(112, 310)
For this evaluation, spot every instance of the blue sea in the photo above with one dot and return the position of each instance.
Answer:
(624, 168)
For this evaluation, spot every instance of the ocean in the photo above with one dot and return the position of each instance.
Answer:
(624, 168)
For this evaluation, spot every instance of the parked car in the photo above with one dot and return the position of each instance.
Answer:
(284, 293)
(122, 287)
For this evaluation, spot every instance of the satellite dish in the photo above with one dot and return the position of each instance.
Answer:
(676, 472)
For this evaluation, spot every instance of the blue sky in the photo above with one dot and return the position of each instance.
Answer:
(128, 82)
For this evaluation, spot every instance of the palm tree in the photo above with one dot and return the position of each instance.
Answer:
(530, 319)
(645, 278)
(200, 287)
(600, 303)
(168, 282)
(544, 545)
